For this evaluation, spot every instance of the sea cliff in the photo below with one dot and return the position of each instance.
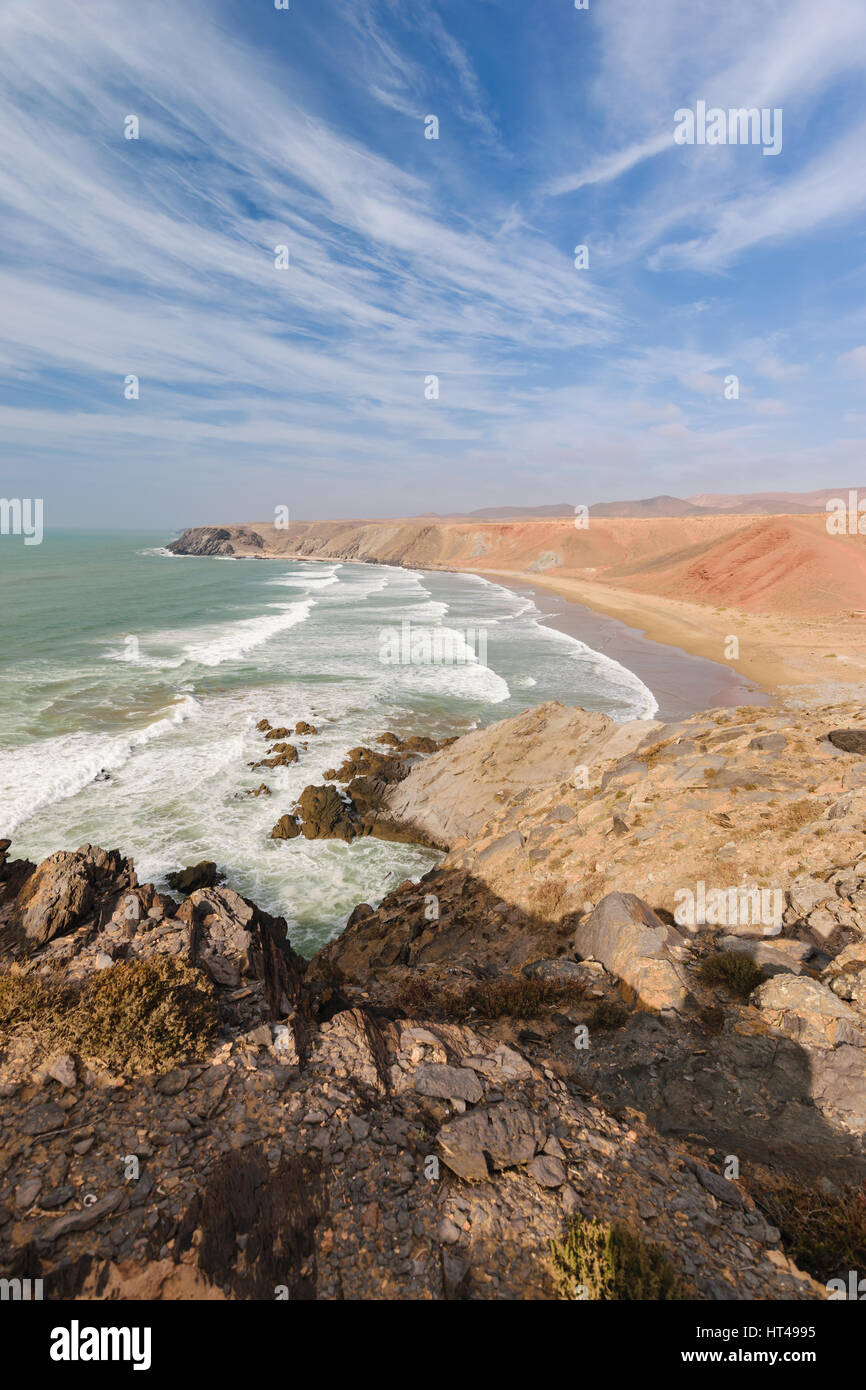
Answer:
(582, 1015)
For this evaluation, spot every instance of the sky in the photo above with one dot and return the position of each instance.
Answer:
(310, 385)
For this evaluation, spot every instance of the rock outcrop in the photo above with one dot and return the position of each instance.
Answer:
(216, 540)
(64, 889)
(529, 1034)
(324, 1148)
(633, 944)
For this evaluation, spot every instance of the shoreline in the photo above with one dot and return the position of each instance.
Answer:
(682, 682)
(776, 654)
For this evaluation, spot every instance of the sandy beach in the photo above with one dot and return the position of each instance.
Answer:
(775, 652)
(681, 682)
(770, 604)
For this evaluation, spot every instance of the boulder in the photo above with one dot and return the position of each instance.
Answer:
(630, 941)
(202, 875)
(506, 1135)
(65, 889)
(808, 1012)
(774, 956)
(849, 740)
(283, 755)
(547, 1171)
(448, 1083)
(224, 933)
(286, 828)
(324, 815)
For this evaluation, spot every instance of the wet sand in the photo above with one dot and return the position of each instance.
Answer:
(682, 684)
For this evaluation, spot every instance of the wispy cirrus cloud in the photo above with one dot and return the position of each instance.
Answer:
(155, 257)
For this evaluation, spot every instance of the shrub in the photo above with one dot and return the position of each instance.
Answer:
(736, 972)
(28, 999)
(797, 814)
(608, 1014)
(824, 1233)
(509, 996)
(145, 1015)
(611, 1264)
(138, 1016)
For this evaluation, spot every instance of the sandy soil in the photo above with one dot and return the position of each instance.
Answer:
(774, 651)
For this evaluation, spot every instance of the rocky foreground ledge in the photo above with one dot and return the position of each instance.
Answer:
(522, 1054)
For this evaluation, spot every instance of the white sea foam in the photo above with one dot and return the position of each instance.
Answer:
(235, 640)
(40, 774)
(176, 793)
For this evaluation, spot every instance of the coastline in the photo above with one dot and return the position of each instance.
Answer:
(678, 647)
(775, 652)
(681, 682)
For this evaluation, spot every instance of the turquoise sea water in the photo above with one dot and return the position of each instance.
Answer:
(131, 682)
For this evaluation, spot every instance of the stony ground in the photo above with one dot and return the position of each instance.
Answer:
(526, 1034)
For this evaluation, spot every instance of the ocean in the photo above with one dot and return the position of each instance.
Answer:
(131, 683)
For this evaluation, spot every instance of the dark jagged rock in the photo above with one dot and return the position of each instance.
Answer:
(324, 815)
(286, 828)
(849, 740)
(214, 540)
(203, 875)
(284, 754)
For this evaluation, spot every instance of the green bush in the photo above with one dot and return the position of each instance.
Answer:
(136, 1017)
(610, 1264)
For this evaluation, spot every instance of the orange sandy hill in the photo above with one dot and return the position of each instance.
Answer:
(773, 564)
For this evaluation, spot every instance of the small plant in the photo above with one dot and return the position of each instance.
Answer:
(824, 1233)
(798, 814)
(611, 1264)
(608, 1014)
(28, 1000)
(735, 972)
(510, 996)
(145, 1015)
(712, 1018)
(137, 1016)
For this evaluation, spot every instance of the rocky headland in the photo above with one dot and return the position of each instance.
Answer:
(629, 1003)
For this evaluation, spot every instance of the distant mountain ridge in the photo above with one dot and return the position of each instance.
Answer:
(702, 504)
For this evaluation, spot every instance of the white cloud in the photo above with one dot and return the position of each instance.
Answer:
(853, 363)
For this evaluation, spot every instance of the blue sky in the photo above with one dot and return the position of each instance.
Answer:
(305, 387)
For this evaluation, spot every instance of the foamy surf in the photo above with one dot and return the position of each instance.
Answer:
(284, 640)
(243, 637)
(41, 774)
